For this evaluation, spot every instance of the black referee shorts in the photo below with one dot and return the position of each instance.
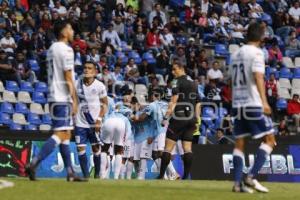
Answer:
(181, 129)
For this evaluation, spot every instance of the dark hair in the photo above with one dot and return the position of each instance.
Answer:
(92, 63)
(178, 63)
(59, 27)
(255, 32)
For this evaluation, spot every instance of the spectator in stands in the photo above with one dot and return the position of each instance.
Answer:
(146, 70)
(167, 39)
(237, 31)
(60, 9)
(221, 138)
(157, 12)
(292, 45)
(272, 91)
(134, 4)
(12, 24)
(93, 56)
(231, 7)
(153, 42)
(79, 60)
(174, 25)
(192, 65)
(80, 42)
(212, 92)
(107, 78)
(179, 55)
(8, 44)
(180, 38)
(117, 78)
(226, 95)
(275, 55)
(215, 73)
(119, 26)
(162, 63)
(293, 109)
(23, 71)
(256, 10)
(132, 73)
(206, 6)
(7, 71)
(111, 36)
(269, 33)
(203, 68)
(139, 40)
(119, 12)
(93, 41)
(227, 125)
(294, 12)
(37, 45)
(97, 22)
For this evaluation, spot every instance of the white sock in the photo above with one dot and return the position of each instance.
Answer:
(123, 171)
(142, 169)
(171, 170)
(158, 163)
(129, 170)
(118, 166)
(103, 165)
(108, 167)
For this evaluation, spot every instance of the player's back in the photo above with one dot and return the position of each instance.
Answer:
(247, 60)
(60, 58)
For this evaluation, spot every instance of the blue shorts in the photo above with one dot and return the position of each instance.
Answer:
(251, 121)
(84, 135)
(61, 114)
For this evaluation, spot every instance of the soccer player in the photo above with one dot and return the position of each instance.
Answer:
(116, 130)
(92, 109)
(251, 108)
(62, 98)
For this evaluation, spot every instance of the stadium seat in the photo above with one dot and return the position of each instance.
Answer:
(296, 83)
(41, 87)
(141, 89)
(119, 54)
(267, 18)
(26, 86)
(5, 118)
(1, 87)
(297, 62)
(281, 104)
(12, 86)
(33, 64)
(7, 107)
(161, 80)
(296, 73)
(222, 112)
(39, 97)
(46, 119)
(19, 118)
(21, 108)
(285, 73)
(15, 127)
(130, 85)
(46, 108)
(295, 91)
(31, 127)
(1, 100)
(285, 83)
(284, 93)
(208, 113)
(45, 127)
(233, 48)
(36, 108)
(141, 99)
(287, 61)
(221, 50)
(9, 96)
(135, 56)
(24, 97)
(33, 118)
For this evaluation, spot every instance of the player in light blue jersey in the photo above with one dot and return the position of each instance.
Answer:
(62, 98)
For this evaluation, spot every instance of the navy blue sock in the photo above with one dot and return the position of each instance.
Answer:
(84, 164)
(66, 155)
(238, 165)
(47, 149)
(97, 162)
(261, 156)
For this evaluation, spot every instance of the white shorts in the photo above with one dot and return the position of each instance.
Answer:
(128, 149)
(142, 150)
(113, 131)
(159, 142)
(178, 149)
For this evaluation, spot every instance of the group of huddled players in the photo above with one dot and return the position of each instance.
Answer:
(129, 132)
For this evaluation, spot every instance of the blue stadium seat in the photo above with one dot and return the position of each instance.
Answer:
(26, 86)
(46, 119)
(119, 54)
(296, 73)
(21, 108)
(208, 112)
(15, 127)
(7, 108)
(12, 86)
(281, 104)
(5, 118)
(220, 49)
(41, 87)
(267, 18)
(31, 127)
(39, 97)
(148, 56)
(33, 119)
(222, 112)
(285, 73)
(135, 56)
(34, 65)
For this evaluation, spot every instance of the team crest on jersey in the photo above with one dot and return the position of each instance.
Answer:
(94, 91)
(174, 83)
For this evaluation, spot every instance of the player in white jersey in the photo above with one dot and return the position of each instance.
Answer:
(62, 98)
(93, 106)
(251, 109)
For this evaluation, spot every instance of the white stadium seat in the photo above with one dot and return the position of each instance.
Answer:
(296, 83)
(45, 127)
(36, 108)
(1, 87)
(9, 96)
(285, 83)
(24, 97)
(295, 91)
(297, 62)
(287, 61)
(284, 93)
(19, 118)
(141, 89)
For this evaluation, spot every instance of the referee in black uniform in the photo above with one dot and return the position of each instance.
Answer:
(182, 113)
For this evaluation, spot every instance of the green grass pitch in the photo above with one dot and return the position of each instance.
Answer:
(59, 189)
